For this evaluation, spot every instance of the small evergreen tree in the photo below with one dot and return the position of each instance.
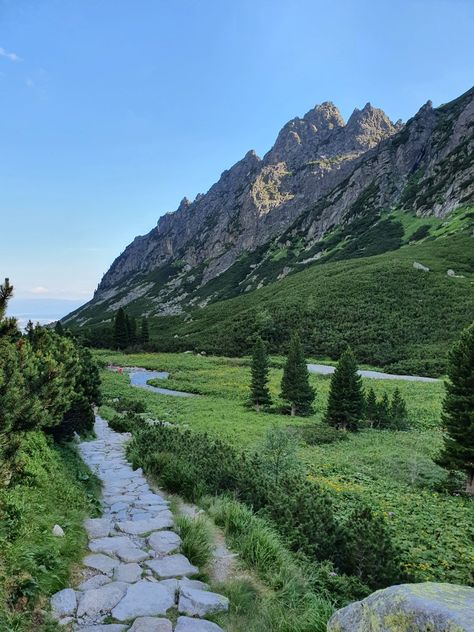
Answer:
(370, 409)
(129, 328)
(133, 330)
(458, 409)
(383, 412)
(295, 387)
(259, 393)
(145, 333)
(398, 411)
(58, 328)
(120, 337)
(346, 398)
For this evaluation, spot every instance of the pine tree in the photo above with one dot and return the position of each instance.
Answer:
(129, 328)
(8, 326)
(295, 387)
(398, 411)
(371, 407)
(145, 334)
(120, 330)
(133, 330)
(346, 398)
(259, 393)
(458, 409)
(383, 412)
(58, 328)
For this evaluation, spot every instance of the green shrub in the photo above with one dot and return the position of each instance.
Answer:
(321, 434)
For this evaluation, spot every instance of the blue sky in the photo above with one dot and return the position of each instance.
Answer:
(113, 110)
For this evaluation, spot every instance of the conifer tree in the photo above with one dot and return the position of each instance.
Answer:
(133, 330)
(259, 393)
(383, 412)
(129, 328)
(58, 328)
(120, 337)
(458, 409)
(295, 387)
(371, 407)
(346, 398)
(7, 325)
(145, 333)
(398, 411)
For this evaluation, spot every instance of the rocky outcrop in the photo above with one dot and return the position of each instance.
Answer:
(426, 607)
(321, 173)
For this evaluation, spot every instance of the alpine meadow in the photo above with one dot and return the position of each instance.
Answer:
(262, 418)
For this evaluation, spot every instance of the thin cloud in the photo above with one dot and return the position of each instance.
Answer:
(10, 56)
(39, 290)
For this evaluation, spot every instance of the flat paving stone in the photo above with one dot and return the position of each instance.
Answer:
(172, 566)
(104, 627)
(187, 624)
(192, 583)
(132, 554)
(139, 527)
(129, 573)
(164, 542)
(64, 603)
(109, 545)
(143, 599)
(98, 527)
(94, 582)
(101, 562)
(151, 624)
(200, 603)
(100, 601)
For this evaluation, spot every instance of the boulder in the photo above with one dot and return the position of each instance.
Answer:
(420, 266)
(187, 624)
(57, 531)
(426, 607)
(151, 624)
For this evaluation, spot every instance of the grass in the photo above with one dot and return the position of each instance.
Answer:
(50, 486)
(196, 539)
(393, 471)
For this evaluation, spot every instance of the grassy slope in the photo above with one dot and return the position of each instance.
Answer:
(393, 471)
(50, 486)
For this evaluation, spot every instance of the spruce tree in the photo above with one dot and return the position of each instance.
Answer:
(458, 409)
(8, 326)
(145, 333)
(346, 398)
(383, 412)
(58, 328)
(398, 411)
(259, 393)
(371, 407)
(129, 328)
(295, 387)
(133, 330)
(120, 337)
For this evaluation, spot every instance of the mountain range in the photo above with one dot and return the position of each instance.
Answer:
(327, 191)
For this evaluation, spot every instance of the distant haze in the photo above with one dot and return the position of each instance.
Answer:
(41, 310)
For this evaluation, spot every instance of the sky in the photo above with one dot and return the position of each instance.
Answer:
(111, 111)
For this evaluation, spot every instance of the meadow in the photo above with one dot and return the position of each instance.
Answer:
(394, 472)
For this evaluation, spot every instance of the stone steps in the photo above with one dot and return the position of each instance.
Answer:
(134, 572)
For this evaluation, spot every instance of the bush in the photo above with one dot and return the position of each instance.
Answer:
(321, 434)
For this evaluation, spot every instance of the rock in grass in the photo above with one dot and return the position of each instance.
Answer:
(151, 624)
(186, 624)
(422, 607)
(105, 627)
(172, 566)
(200, 603)
(58, 531)
(64, 603)
(143, 599)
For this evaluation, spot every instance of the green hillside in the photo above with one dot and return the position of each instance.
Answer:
(393, 315)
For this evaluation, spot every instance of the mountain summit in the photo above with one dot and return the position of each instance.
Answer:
(320, 174)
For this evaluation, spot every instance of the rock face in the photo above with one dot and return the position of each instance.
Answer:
(320, 173)
(426, 607)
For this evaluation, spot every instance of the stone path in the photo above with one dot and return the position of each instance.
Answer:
(134, 578)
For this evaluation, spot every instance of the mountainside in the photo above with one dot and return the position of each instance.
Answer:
(326, 191)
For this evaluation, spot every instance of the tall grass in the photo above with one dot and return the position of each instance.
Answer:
(196, 539)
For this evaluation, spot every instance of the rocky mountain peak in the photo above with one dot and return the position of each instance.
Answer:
(325, 116)
(369, 126)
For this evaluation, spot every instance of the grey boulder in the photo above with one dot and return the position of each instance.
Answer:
(426, 607)
(151, 624)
